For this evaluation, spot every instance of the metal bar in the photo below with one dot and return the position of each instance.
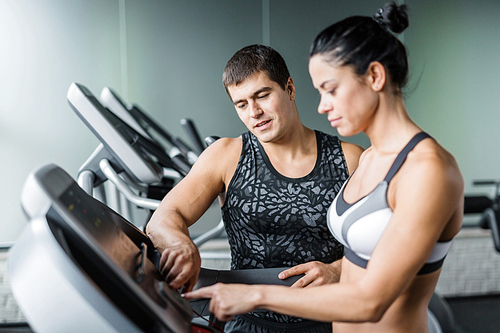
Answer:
(113, 177)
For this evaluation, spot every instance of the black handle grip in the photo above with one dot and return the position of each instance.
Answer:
(209, 277)
(484, 182)
(193, 134)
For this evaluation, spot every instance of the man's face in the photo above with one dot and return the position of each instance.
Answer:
(263, 106)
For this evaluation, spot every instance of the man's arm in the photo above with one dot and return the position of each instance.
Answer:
(352, 153)
(168, 228)
(315, 273)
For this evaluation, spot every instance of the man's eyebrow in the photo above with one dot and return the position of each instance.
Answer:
(256, 93)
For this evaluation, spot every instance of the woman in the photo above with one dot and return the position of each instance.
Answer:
(399, 210)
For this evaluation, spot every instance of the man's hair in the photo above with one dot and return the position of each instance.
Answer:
(253, 59)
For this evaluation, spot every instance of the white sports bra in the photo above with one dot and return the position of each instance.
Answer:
(360, 225)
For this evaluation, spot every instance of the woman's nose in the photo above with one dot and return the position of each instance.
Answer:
(324, 105)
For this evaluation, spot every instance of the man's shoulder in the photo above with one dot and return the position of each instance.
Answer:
(226, 145)
(326, 137)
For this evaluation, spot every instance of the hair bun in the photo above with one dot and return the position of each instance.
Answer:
(392, 17)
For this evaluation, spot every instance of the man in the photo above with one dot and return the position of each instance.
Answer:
(274, 183)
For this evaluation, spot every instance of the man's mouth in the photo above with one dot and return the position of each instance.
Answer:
(262, 123)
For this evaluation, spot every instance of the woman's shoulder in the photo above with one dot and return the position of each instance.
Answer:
(430, 160)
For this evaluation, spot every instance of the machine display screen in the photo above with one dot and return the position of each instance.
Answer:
(101, 223)
(116, 136)
(106, 227)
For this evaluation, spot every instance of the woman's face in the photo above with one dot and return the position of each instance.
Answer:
(346, 98)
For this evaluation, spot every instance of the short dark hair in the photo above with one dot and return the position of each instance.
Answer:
(360, 40)
(253, 59)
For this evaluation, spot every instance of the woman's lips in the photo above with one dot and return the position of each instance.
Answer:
(335, 121)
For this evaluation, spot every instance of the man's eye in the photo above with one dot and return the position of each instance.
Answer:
(263, 96)
(331, 92)
(241, 106)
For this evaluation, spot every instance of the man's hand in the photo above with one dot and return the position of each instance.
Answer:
(316, 273)
(180, 266)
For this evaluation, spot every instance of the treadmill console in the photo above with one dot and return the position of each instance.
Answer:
(115, 104)
(118, 258)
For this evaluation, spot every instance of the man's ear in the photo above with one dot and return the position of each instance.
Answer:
(290, 89)
(376, 76)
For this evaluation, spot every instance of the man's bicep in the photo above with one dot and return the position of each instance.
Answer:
(194, 194)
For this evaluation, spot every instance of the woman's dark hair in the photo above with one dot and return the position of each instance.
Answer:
(252, 59)
(360, 40)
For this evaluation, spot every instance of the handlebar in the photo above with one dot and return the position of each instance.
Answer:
(485, 182)
(193, 134)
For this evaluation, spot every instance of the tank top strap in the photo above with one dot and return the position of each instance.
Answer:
(246, 138)
(398, 162)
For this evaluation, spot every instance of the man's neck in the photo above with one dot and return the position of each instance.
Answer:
(294, 155)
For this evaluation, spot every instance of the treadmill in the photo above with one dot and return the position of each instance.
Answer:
(79, 266)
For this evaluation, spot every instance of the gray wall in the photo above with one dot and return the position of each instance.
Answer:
(168, 57)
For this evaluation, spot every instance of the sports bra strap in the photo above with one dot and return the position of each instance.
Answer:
(398, 162)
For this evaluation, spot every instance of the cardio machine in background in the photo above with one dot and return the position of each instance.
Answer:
(130, 154)
(488, 207)
(125, 153)
(145, 125)
(135, 164)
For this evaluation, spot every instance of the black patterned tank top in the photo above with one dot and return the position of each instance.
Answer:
(275, 221)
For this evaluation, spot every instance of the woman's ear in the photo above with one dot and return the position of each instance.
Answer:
(376, 76)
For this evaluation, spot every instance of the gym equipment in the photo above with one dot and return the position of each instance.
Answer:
(92, 112)
(145, 125)
(193, 134)
(488, 208)
(116, 162)
(79, 266)
(123, 154)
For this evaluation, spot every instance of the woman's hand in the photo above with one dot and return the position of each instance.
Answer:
(228, 300)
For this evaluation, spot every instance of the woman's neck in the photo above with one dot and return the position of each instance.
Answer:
(392, 126)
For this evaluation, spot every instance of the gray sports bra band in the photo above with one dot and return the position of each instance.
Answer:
(428, 267)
